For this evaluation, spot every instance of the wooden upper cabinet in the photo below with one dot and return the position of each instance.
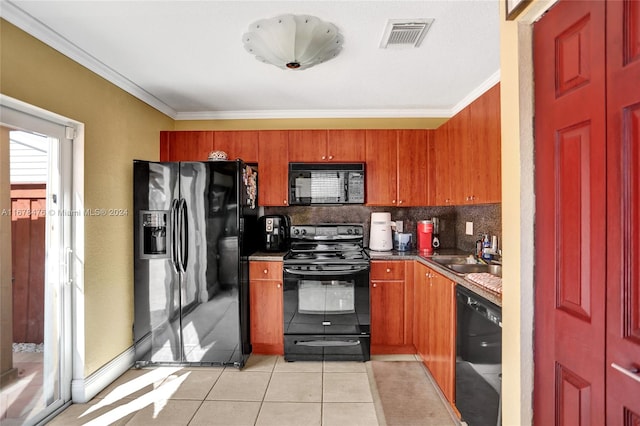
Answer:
(273, 168)
(346, 146)
(238, 144)
(315, 146)
(196, 145)
(382, 166)
(185, 145)
(485, 140)
(467, 154)
(413, 167)
(443, 172)
(307, 146)
(462, 157)
(397, 167)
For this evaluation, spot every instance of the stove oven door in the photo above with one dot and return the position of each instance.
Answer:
(326, 314)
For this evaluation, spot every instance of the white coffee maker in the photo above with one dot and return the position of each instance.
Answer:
(380, 235)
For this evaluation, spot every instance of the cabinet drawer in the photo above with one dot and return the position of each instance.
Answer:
(259, 270)
(387, 270)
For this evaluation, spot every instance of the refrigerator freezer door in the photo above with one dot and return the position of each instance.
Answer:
(157, 283)
(210, 302)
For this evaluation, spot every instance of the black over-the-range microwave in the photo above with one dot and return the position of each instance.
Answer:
(326, 183)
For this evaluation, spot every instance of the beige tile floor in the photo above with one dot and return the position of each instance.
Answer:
(267, 392)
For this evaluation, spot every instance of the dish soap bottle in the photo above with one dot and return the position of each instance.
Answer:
(486, 247)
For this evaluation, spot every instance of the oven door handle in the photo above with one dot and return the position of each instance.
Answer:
(324, 273)
(321, 343)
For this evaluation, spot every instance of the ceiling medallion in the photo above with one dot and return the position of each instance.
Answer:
(293, 41)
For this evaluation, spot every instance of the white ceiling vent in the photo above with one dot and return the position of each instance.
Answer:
(405, 32)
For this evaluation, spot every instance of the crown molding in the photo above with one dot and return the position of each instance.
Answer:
(37, 29)
(327, 113)
(476, 93)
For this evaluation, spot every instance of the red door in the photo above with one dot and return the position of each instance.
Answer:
(570, 160)
(623, 214)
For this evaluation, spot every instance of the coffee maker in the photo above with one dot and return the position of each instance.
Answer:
(274, 232)
(435, 243)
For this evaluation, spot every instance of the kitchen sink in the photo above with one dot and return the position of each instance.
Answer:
(463, 265)
(468, 268)
(471, 268)
(453, 260)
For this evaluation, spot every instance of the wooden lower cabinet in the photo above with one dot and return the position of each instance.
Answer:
(435, 326)
(391, 297)
(265, 307)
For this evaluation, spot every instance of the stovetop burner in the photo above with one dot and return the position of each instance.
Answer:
(327, 243)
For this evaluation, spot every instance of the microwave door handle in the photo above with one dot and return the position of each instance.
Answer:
(346, 187)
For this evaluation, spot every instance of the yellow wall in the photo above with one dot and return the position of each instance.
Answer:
(118, 128)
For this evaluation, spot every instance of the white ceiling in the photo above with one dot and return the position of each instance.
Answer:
(186, 58)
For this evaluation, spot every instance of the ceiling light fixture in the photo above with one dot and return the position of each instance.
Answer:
(293, 41)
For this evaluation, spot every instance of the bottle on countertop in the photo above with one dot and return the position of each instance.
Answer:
(486, 247)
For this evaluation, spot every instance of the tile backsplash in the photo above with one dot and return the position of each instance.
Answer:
(486, 219)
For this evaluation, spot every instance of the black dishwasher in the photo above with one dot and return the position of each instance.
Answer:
(478, 359)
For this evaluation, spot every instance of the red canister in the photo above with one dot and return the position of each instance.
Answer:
(425, 234)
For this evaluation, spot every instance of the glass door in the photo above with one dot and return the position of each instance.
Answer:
(38, 373)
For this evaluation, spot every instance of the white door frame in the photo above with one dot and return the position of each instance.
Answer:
(22, 116)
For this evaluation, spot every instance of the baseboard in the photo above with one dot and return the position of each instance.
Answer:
(83, 390)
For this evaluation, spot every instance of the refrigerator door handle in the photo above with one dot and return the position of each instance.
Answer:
(184, 235)
(173, 215)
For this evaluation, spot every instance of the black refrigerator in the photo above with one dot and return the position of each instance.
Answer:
(195, 224)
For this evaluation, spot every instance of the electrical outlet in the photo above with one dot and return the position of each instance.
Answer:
(469, 228)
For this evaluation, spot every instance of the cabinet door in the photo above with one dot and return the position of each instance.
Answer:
(442, 333)
(387, 270)
(240, 144)
(346, 146)
(413, 165)
(484, 150)
(382, 165)
(307, 146)
(265, 307)
(420, 309)
(185, 145)
(387, 312)
(273, 168)
(443, 170)
(459, 160)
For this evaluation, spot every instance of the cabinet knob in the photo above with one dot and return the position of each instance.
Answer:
(388, 270)
(285, 202)
(279, 285)
(393, 201)
(400, 202)
(324, 157)
(375, 285)
(331, 157)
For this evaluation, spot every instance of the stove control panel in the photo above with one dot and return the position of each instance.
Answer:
(327, 231)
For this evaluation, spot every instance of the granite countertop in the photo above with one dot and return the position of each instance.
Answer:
(426, 260)
(408, 255)
(268, 256)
